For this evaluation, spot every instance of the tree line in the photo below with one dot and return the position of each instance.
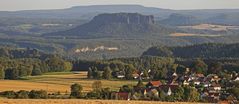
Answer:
(15, 64)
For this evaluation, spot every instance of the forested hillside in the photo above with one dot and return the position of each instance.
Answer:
(209, 50)
(17, 63)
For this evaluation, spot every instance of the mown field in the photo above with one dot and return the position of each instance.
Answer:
(58, 82)
(73, 101)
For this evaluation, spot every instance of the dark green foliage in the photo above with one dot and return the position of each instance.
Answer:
(11, 73)
(93, 95)
(199, 66)
(2, 73)
(140, 84)
(107, 73)
(159, 67)
(9, 94)
(76, 90)
(129, 69)
(103, 93)
(55, 64)
(36, 71)
(18, 63)
(215, 68)
(22, 94)
(181, 69)
(178, 94)
(210, 50)
(126, 88)
(41, 94)
(235, 89)
(89, 73)
(159, 51)
(191, 94)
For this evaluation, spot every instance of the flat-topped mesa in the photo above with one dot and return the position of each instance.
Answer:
(128, 18)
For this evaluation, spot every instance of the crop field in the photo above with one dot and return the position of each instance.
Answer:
(58, 82)
(74, 101)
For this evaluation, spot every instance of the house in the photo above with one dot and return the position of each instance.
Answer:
(196, 82)
(215, 86)
(185, 82)
(235, 78)
(206, 84)
(153, 84)
(213, 78)
(135, 75)
(119, 74)
(200, 75)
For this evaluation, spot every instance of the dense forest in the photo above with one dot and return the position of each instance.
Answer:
(208, 50)
(17, 63)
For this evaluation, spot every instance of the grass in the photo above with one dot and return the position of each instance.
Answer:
(58, 81)
(74, 101)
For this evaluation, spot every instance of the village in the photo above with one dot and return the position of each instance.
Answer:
(197, 87)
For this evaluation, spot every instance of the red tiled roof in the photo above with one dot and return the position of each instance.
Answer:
(155, 83)
(199, 75)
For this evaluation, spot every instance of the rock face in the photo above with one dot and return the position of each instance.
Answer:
(115, 25)
(127, 18)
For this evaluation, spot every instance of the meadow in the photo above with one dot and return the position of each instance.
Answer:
(58, 82)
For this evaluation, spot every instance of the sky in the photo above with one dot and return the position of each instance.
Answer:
(14, 5)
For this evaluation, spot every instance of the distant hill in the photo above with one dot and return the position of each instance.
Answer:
(224, 18)
(180, 19)
(115, 25)
(211, 50)
(88, 12)
(85, 12)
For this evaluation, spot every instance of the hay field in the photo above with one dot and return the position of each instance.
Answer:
(54, 82)
(74, 101)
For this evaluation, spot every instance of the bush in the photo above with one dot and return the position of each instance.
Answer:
(22, 94)
(9, 94)
(76, 90)
(41, 94)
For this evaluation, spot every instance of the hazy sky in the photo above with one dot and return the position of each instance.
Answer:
(12, 5)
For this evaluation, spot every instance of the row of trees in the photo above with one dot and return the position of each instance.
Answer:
(22, 94)
(108, 69)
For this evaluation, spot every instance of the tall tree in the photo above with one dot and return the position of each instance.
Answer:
(129, 71)
(107, 73)
(199, 66)
(214, 68)
(191, 94)
(89, 73)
